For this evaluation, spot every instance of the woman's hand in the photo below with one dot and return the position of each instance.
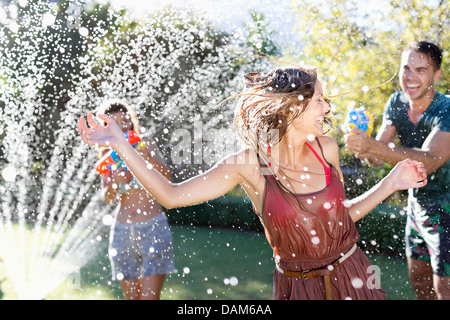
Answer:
(408, 174)
(121, 175)
(103, 136)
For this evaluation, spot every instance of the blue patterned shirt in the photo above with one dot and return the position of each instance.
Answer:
(437, 116)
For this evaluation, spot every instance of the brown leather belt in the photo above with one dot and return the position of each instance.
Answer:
(325, 272)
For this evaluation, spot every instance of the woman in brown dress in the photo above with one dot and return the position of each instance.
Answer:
(291, 173)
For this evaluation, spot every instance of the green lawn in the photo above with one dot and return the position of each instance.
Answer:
(212, 263)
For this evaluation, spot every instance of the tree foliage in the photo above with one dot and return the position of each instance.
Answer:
(62, 58)
(357, 50)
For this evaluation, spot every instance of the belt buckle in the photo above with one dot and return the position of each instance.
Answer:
(304, 274)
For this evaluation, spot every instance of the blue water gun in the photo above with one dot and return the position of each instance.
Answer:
(358, 119)
(112, 160)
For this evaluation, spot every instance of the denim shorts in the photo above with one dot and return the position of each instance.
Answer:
(428, 236)
(141, 249)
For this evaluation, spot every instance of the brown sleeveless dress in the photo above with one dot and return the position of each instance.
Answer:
(312, 238)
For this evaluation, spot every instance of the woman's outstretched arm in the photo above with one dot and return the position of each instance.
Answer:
(406, 174)
(212, 184)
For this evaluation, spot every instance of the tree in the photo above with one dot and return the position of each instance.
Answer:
(354, 56)
(42, 48)
(356, 51)
(174, 68)
(260, 35)
(60, 60)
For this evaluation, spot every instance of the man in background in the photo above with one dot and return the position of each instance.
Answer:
(419, 116)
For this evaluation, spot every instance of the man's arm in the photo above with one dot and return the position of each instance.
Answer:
(433, 154)
(386, 135)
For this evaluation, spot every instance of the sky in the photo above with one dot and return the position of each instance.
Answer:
(231, 15)
(218, 10)
(226, 14)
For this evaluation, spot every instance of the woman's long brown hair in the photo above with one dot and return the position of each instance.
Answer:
(268, 106)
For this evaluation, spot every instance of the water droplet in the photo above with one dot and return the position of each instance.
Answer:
(112, 252)
(403, 98)
(347, 203)
(84, 32)
(13, 27)
(315, 240)
(9, 174)
(108, 219)
(357, 283)
(48, 19)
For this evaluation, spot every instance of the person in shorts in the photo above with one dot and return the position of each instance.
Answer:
(141, 249)
(420, 117)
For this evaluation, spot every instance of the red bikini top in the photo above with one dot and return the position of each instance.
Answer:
(327, 169)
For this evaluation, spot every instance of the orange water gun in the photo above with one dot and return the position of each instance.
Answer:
(111, 160)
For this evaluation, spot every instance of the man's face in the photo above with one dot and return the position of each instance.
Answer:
(417, 74)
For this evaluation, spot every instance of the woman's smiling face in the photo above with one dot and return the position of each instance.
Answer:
(312, 119)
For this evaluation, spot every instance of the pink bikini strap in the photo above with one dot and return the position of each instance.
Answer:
(327, 169)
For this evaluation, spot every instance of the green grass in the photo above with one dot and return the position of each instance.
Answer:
(205, 259)
(394, 277)
(214, 255)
